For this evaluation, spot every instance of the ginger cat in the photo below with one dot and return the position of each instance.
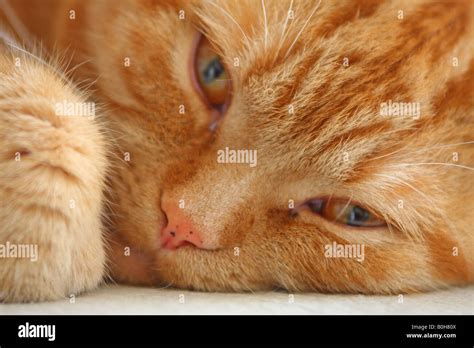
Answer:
(236, 145)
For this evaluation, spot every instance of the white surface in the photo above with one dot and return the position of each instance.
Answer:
(133, 300)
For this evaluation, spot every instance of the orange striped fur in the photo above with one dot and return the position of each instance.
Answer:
(333, 64)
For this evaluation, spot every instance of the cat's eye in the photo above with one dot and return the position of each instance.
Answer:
(345, 212)
(211, 78)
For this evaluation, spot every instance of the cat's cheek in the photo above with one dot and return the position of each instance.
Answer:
(127, 264)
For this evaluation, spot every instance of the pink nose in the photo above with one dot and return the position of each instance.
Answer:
(180, 230)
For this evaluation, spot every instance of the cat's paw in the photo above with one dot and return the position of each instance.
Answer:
(52, 169)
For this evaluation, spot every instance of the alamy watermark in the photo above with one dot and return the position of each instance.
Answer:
(20, 251)
(28, 330)
(400, 109)
(65, 108)
(237, 156)
(354, 251)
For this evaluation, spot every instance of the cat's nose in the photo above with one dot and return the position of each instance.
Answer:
(180, 230)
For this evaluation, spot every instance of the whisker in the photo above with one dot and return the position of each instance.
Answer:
(345, 207)
(265, 22)
(403, 182)
(423, 149)
(86, 87)
(399, 180)
(431, 163)
(389, 225)
(68, 72)
(286, 20)
(61, 61)
(283, 32)
(232, 19)
(42, 61)
(429, 199)
(302, 29)
(16, 23)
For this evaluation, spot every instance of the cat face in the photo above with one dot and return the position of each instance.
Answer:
(291, 145)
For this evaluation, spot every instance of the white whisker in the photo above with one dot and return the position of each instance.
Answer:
(431, 202)
(68, 72)
(399, 180)
(286, 20)
(283, 32)
(15, 22)
(42, 61)
(302, 29)
(389, 225)
(431, 163)
(265, 22)
(423, 149)
(84, 88)
(232, 19)
(345, 207)
(61, 60)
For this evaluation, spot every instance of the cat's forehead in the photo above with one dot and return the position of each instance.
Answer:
(287, 58)
(316, 73)
(277, 29)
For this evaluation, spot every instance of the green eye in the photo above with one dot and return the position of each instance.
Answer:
(212, 79)
(341, 211)
(211, 71)
(354, 215)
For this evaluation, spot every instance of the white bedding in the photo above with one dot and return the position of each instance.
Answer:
(134, 300)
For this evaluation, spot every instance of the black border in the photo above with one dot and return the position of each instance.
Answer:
(221, 330)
